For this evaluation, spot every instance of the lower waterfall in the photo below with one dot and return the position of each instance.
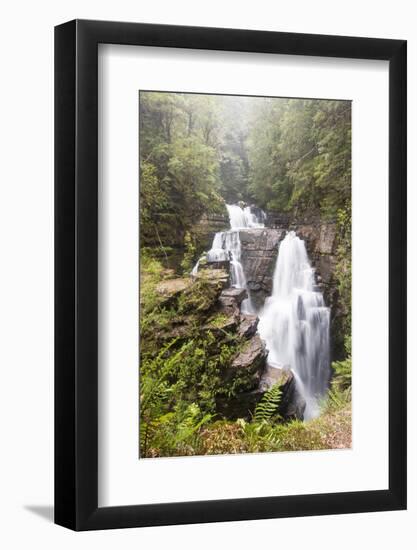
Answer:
(295, 323)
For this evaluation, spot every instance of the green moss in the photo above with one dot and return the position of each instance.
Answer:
(200, 297)
(189, 257)
(218, 321)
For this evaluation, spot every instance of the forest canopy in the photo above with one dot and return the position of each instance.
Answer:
(285, 155)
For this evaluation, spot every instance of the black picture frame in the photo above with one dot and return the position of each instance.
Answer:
(76, 272)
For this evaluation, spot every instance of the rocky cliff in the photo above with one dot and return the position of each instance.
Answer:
(209, 310)
(259, 255)
(259, 249)
(205, 229)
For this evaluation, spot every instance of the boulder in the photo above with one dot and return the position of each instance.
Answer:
(233, 295)
(273, 375)
(201, 296)
(171, 289)
(292, 404)
(248, 366)
(252, 354)
(179, 329)
(230, 300)
(214, 276)
(248, 325)
(220, 264)
(220, 324)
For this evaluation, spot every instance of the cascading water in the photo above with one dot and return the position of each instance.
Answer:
(295, 323)
(226, 246)
(241, 218)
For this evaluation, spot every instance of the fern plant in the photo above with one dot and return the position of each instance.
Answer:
(342, 374)
(190, 423)
(267, 408)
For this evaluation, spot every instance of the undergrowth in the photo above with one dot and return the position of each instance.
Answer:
(181, 378)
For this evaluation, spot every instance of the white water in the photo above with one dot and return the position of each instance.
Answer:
(226, 246)
(295, 323)
(241, 218)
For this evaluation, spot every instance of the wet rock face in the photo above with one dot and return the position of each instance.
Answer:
(320, 237)
(321, 244)
(259, 249)
(205, 229)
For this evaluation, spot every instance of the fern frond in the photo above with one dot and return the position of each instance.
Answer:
(268, 405)
(342, 378)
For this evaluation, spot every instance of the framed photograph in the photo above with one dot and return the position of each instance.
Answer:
(230, 253)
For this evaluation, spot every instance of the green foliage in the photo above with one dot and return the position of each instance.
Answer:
(151, 192)
(189, 253)
(300, 155)
(158, 395)
(267, 408)
(200, 297)
(173, 433)
(151, 273)
(342, 378)
(196, 152)
(179, 377)
(179, 163)
(175, 379)
(343, 271)
(331, 430)
(218, 320)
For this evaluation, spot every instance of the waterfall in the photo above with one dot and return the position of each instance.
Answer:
(244, 217)
(226, 246)
(295, 323)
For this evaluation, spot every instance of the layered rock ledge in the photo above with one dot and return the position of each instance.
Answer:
(259, 249)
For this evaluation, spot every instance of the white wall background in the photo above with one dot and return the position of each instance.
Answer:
(26, 272)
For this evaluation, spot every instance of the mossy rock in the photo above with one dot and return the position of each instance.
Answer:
(221, 324)
(245, 371)
(201, 296)
(214, 276)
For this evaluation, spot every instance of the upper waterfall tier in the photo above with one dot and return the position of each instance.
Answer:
(244, 217)
(226, 246)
